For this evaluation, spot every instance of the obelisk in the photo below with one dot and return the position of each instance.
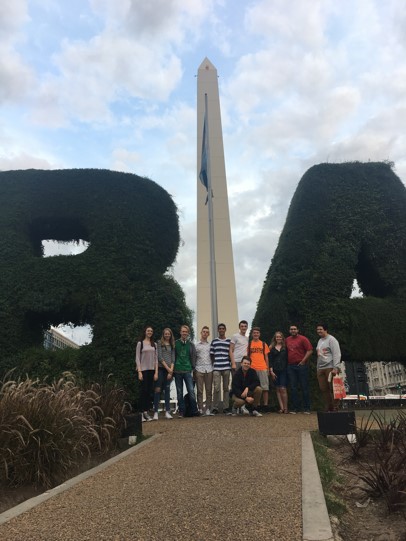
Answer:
(227, 311)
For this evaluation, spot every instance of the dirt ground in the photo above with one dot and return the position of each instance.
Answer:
(366, 519)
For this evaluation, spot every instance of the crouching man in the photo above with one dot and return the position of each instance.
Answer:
(246, 389)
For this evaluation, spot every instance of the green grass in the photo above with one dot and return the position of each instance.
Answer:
(330, 480)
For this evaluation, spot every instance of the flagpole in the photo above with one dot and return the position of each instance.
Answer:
(213, 275)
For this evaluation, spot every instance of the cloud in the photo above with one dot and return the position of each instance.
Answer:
(15, 76)
(295, 22)
(12, 16)
(133, 57)
(164, 21)
(125, 160)
(95, 76)
(23, 160)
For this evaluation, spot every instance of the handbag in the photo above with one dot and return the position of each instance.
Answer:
(338, 388)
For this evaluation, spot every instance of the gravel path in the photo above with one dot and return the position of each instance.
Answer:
(217, 478)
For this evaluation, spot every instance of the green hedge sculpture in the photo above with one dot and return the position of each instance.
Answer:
(345, 221)
(117, 285)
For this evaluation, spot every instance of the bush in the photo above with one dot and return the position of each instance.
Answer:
(48, 429)
(345, 221)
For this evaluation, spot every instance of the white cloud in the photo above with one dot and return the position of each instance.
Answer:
(133, 58)
(94, 76)
(15, 75)
(125, 160)
(24, 160)
(12, 16)
(296, 23)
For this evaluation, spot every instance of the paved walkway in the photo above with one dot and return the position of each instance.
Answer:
(217, 478)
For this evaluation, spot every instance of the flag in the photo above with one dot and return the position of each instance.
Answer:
(204, 164)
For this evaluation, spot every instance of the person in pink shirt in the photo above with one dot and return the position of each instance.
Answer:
(299, 353)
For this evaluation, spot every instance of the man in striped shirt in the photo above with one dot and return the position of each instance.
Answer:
(220, 357)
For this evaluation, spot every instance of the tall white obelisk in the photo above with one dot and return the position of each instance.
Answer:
(227, 311)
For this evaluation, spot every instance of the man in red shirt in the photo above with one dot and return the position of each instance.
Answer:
(299, 352)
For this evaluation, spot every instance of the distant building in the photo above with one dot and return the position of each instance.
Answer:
(53, 339)
(386, 378)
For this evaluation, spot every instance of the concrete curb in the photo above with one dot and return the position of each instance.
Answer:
(316, 522)
(37, 500)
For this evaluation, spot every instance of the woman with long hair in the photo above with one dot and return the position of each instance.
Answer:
(166, 362)
(278, 369)
(146, 361)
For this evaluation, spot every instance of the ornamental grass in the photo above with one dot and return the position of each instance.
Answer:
(382, 463)
(48, 430)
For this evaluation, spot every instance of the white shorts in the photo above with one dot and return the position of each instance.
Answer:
(263, 379)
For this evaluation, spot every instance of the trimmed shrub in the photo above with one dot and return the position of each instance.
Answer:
(118, 285)
(345, 221)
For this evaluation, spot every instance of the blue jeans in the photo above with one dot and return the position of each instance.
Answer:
(299, 375)
(163, 384)
(186, 377)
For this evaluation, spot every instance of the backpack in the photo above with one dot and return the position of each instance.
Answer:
(188, 406)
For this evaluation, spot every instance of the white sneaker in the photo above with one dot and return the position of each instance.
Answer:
(208, 412)
(155, 417)
(168, 415)
(146, 416)
(244, 410)
(256, 413)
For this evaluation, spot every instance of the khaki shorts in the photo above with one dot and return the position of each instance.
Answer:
(263, 379)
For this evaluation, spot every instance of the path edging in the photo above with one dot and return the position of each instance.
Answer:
(316, 522)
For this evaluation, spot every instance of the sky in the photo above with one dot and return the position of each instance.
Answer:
(112, 84)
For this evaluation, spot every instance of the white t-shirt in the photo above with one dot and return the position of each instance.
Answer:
(240, 342)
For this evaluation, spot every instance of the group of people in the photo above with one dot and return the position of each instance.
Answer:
(245, 365)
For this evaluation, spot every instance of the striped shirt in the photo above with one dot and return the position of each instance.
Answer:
(165, 353)
(221, 351)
